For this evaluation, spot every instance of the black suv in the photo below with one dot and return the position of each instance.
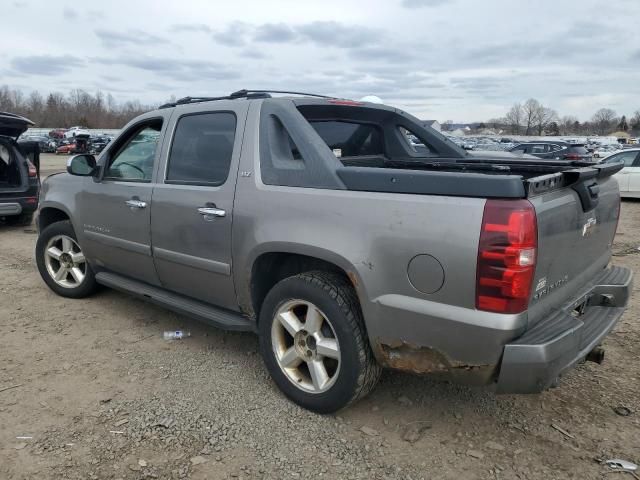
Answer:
(554, 149)
(19, 178)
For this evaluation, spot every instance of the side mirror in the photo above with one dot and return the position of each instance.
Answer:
(82, 165)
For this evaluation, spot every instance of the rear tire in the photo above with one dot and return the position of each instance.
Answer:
(61, 262)
(314, 344)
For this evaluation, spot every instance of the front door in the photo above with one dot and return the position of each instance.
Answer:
(115, 209)
(192, 205)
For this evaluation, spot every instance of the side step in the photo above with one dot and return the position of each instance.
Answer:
(218, 317)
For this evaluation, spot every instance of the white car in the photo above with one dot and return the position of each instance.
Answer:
(629, 177)
(604, 151)
(77, 131)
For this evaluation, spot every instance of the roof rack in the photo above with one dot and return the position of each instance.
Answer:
(244, 93)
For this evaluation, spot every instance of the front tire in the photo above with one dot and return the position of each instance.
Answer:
(61, 262)
(314, 344)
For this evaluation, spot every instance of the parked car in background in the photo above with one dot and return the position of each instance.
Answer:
(553, 149)
(66, 147)
(19, 179)
(97, 144)
(42, 141)
(76, 131)
(629, 177)
(57, 133)
(602, 151)
(345, 245)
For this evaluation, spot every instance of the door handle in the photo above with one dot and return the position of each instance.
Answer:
(136, 204)
(211, 212)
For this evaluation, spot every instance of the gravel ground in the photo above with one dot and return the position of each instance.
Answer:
(99, 394)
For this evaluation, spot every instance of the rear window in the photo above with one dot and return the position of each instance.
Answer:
(350, 139)
(579, 149)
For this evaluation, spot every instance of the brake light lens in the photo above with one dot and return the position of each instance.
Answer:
(33, 172)
(352, 103)
(506, 256)
(572, 156)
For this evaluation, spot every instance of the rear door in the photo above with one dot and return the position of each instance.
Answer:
(192, 206)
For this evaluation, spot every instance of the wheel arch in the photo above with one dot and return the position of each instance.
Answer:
(51, 214)
(270, 267)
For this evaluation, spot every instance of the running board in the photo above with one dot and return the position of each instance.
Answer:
(218, 317)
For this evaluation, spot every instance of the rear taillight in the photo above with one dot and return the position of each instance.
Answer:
(352, 103)
(572, 156)
(506, 256)
(33, 171)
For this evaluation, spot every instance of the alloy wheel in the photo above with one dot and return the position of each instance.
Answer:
(305, 346)
(65, 261)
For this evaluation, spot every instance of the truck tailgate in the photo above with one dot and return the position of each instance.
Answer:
(576, 226)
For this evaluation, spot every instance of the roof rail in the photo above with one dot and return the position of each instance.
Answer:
(244, 93)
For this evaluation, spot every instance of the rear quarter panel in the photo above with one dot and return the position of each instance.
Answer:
(372, 236)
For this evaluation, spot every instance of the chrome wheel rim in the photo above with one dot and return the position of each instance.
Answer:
(305, 346)
(65, 261)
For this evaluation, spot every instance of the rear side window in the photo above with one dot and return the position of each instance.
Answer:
(202, 148)
(350, 139)
(626, 157)
(414, 143)
(538, 149)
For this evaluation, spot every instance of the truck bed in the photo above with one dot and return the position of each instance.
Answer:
(472, 177)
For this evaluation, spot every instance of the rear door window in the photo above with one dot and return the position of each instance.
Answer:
(538, 148)
(202, 149)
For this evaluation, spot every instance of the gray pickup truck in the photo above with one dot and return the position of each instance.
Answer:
(324, 226)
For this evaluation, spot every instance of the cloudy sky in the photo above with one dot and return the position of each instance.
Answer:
(462, 60)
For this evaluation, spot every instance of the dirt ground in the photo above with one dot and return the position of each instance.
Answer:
(89, 389)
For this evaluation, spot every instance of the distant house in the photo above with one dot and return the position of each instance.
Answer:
(433, 124)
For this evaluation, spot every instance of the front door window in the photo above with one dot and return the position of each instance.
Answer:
(134, 161)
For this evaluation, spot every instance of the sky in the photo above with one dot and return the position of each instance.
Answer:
(460, 60)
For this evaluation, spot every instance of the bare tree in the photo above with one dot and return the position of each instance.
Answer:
(78, 108)
(514, 118)
(543, 118)
(623, 126)
(567, 125)
(531, 113)
(634, 123)
(604, 121)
